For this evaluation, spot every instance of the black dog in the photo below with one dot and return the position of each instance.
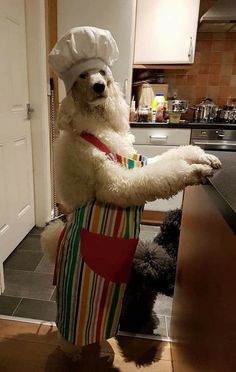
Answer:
(153, 272)
(168, 237)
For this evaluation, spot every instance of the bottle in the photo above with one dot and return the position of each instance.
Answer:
(159, 106)
(150, 113)
(132, 113)
(154, 109)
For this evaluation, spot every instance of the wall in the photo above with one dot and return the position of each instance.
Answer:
(213, 73)
(118, 16)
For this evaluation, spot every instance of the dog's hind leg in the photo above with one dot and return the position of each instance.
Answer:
(49, 239)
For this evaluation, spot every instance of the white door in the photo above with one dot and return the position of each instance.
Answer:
(166, 31)
(118, 16)
(16, 172)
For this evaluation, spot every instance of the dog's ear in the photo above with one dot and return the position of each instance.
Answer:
(66, 112)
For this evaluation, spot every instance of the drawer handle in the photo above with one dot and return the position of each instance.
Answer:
(158, 138)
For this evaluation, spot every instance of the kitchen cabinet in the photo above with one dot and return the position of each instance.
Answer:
(118, 16)
(155, 141)
(166, 31)
(204, 304)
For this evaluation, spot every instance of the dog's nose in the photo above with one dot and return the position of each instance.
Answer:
(99, 87)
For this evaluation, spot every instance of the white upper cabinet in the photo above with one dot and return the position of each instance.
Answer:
(117, 16)
(166, 31)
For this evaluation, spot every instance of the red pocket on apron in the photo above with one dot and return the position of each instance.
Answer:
(107, 256)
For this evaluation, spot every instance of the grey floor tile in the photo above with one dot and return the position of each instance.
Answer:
(23, 260)
(36, 230)
(30, 243)
(161, 329)
(8, 304)
(45, 266)
(37, 309)
(163, 305)
(148, 232)
(28, 284)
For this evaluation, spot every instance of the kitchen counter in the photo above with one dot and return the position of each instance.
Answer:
(204, 303)
(223, 187)
(183, 125)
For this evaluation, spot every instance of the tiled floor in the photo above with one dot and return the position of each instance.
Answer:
(34, 347)
(29, 291)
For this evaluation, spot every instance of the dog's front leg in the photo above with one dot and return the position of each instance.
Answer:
(191, 154)
(160, 180)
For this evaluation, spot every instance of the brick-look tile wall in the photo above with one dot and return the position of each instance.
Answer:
(213, 73)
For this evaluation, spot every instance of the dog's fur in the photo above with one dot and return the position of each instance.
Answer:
(168, 237)
(84, 173)
(153, 272)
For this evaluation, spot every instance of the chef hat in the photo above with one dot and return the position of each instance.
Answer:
(80, 49)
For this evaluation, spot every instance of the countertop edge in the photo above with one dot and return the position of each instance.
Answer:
(183, 126)
(221, 203)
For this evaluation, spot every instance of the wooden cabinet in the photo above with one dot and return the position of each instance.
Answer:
(118, 16)
(204, 304)
(166, 31)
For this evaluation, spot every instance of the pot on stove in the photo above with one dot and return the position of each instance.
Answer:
(228, 113)
(205, 112)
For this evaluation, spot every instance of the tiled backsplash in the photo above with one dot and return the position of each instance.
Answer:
(213, 73)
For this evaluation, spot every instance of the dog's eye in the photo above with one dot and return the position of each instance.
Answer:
(102, 72)
(83, 75)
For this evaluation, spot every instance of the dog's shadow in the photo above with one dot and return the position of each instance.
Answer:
(29, 351)
(142, 352)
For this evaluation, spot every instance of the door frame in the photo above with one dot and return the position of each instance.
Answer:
(35, 11)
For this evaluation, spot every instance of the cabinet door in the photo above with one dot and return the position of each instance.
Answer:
(166, 31)
(117, 16)
(160, 205)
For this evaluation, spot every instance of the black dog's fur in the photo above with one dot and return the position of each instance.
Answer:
(153, 272)
(170, 230)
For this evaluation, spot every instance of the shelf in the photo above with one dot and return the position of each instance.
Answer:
(162, 67)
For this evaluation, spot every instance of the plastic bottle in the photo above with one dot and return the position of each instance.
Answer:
(158, 107)
(132, 114)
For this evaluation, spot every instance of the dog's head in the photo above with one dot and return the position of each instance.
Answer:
(94, 98)
(92, 87)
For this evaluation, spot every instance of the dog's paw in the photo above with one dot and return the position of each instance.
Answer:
(211, 160)
(197, 173)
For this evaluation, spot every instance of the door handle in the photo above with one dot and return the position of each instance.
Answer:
(29, 111)
(190, 51)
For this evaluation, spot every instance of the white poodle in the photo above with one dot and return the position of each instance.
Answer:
(84, 173)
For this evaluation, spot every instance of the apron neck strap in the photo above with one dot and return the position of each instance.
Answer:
(97, 143)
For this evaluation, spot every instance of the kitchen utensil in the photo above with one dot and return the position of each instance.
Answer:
(205, 112)
(175, 108)
(228, 113)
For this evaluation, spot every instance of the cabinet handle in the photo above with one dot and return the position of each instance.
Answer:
(125, 88)
(158, 138)
(190, 51)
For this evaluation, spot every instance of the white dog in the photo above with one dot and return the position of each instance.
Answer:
(84, 173)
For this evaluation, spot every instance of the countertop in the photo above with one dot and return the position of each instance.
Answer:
(183, 125)
(223, 188)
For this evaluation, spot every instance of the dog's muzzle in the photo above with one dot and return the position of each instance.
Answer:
(99, 88)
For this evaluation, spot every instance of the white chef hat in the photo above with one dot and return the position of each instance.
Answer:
(80, 49)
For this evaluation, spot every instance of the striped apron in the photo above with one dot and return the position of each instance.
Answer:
(94, 261)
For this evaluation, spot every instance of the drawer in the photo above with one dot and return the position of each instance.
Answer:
(161, 136)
